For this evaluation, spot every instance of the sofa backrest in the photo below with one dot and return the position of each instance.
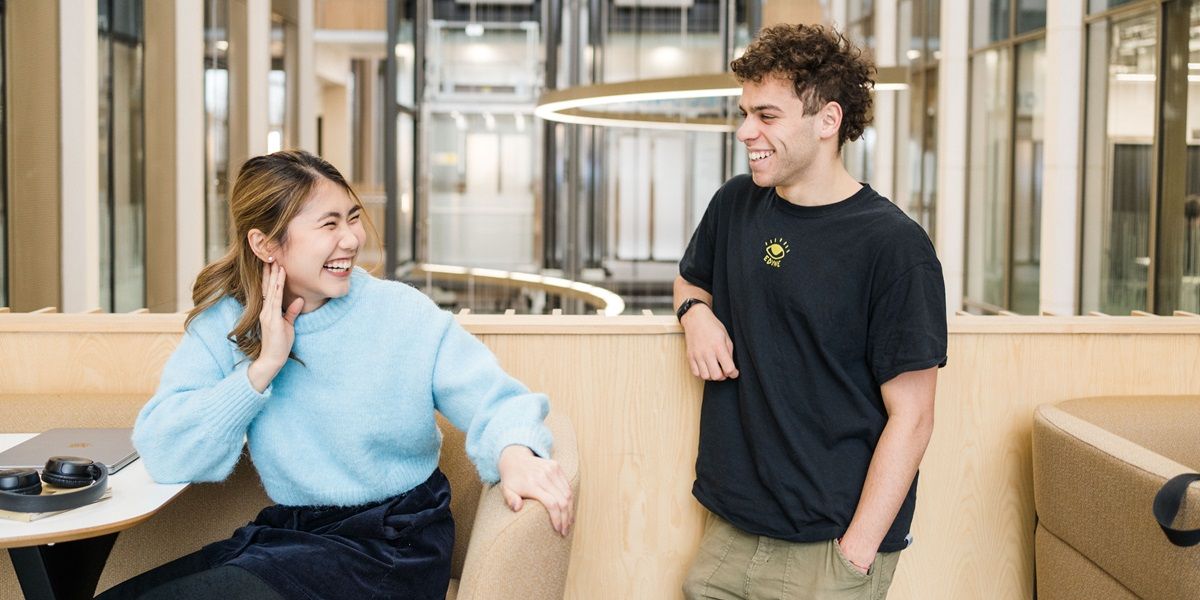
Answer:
(465, 487)
(1166, 425)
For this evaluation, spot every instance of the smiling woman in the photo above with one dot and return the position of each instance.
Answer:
(277, 197)
(295, 352)
(319, 246)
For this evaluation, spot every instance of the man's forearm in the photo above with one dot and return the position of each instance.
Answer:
(891, 473)
(684, 290)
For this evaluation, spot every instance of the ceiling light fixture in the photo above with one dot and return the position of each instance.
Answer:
(474, 28)
(570, 105)
(576, 105)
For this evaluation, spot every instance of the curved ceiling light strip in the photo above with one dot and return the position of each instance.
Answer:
(571, 105)
(608, 302)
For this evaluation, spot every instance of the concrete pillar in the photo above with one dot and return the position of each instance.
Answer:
(79, 169)
(1059, 276)
(952, 148)
(885, 102)
(335, 126)
(305, 75)
(299, 63)
(792, 11)
(836, 15)
(249, 66)
(365, 130)
(174, 138)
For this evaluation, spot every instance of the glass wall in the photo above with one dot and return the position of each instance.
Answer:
(1101, 5)
(1141, 210)
(991, 20)
(660, 184)
(1005, 163)
(216, 127)
(482, 147)
(657, 184)
(403, 227)
(1118, 178)
(122, 177)
(481, 195)
(988, 183)
(1189, 288)
(918, 40)
(1027, 177)
(859, 154)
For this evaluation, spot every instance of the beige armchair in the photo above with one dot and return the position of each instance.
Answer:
(1097, 465)
(499, 554)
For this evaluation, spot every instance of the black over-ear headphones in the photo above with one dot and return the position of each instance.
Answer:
(20, 489)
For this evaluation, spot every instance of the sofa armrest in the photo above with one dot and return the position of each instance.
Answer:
(518, 555)
(1094, 489)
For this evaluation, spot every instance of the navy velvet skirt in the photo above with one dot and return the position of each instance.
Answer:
(397, 548)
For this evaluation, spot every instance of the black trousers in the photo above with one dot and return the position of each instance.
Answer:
(192, 577)
(397, 548)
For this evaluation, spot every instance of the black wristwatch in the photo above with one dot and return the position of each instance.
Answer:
(686, 306)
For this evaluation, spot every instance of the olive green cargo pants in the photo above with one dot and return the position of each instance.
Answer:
(732, 564)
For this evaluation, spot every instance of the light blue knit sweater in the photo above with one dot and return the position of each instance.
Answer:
(355, 423)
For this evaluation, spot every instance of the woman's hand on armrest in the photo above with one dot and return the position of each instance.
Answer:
(525, 475)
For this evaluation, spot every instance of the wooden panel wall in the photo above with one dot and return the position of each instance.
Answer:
(34, 209)
(623, 383)
(352, 14)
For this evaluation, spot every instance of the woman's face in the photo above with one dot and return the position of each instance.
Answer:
(321, 246)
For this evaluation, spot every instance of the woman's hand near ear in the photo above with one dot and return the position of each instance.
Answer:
(278, 331)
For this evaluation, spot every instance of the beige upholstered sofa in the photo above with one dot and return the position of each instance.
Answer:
(498, 554)
(1097, 465)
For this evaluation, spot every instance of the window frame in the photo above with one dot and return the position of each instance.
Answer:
(1161, 287)
(1010, 45)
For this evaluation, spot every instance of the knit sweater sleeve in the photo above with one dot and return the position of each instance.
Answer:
(194, 426)
(477, 396)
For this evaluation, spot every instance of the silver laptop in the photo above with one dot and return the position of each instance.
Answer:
(112, 447)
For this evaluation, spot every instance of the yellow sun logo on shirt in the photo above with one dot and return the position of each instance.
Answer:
(777, 248)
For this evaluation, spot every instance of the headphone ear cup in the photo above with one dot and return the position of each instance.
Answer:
(69, 472)
(20, 481)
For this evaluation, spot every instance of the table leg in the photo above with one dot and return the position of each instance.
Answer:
(62, 571)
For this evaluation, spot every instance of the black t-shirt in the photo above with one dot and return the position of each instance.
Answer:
(824, 304)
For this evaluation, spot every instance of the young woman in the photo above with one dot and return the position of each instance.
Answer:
(331, 377)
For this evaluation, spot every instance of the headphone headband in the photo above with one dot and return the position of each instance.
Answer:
(97, 473)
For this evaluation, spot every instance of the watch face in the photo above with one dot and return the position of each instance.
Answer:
(683, 308)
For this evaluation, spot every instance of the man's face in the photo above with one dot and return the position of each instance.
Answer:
(780, 140)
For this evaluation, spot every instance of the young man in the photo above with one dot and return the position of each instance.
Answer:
(815, 311)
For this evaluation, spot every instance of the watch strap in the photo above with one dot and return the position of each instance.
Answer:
(687, 305)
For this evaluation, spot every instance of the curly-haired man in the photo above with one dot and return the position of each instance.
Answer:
(815, 310)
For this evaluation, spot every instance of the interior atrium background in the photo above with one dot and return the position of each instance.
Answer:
(1050, 182)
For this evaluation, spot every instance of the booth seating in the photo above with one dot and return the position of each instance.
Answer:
(1097, 465)
(625, 385)
(498, 554)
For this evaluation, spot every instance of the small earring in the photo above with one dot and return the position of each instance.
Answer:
(270, 259)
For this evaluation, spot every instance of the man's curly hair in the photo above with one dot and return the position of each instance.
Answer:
(822, 65)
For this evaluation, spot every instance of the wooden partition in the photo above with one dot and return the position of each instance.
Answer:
(624, 384)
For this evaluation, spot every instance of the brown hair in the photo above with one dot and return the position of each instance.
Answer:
(269, 192)
(822, 65)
